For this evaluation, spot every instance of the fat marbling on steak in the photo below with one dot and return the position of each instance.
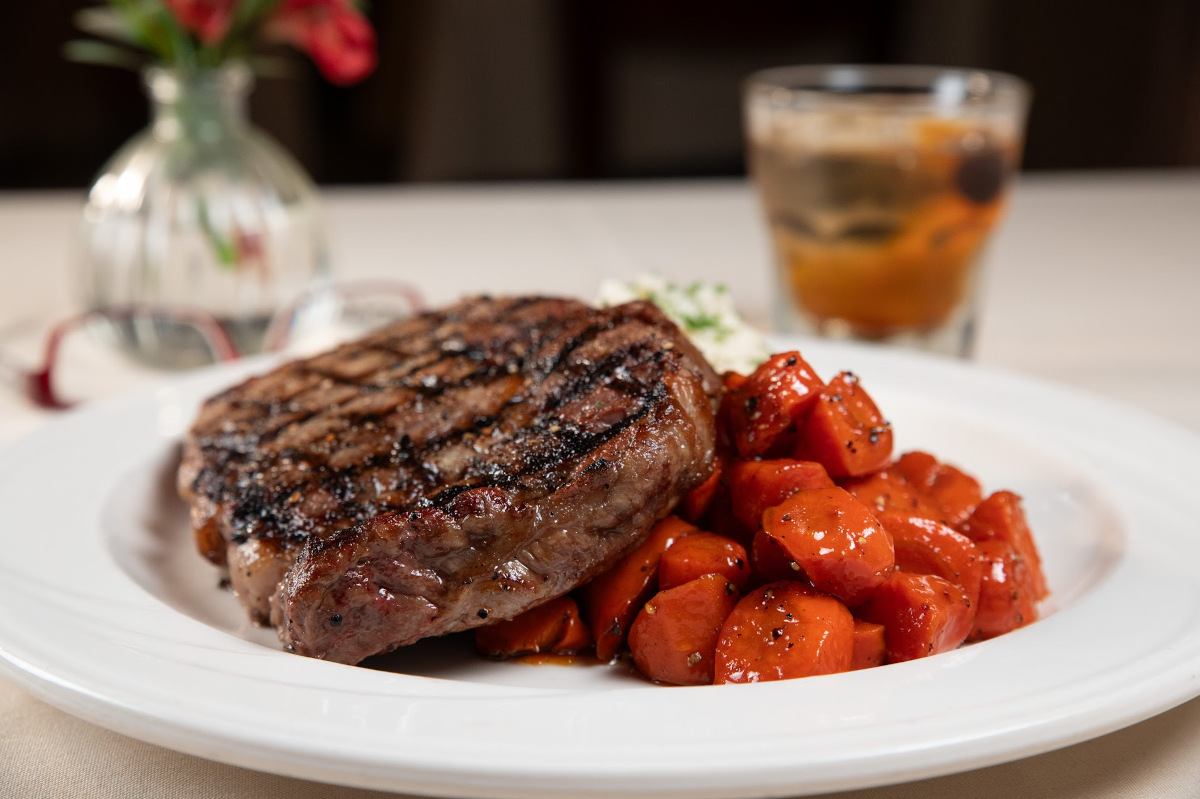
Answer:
(447, 471)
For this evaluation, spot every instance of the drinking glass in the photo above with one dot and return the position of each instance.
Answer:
(881, 186)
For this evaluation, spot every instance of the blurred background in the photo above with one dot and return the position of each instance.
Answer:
(611, 89)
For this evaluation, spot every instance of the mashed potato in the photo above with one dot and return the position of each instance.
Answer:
(705, 312)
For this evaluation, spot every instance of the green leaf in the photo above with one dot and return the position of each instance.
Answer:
(183, 48)
(150, 26)
(105, 23)
(87, 51)
(223, 248)
(138, 19)
(704, 320)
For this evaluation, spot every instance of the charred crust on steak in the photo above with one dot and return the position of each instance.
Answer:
(382, 483)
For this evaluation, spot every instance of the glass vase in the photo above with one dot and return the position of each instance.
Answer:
(199, 210)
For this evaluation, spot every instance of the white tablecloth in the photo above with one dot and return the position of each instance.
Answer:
(1094, 281)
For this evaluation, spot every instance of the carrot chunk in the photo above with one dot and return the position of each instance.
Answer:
(784, 630)
(611, 601)
(766, 411)
(870, 648)
(674, 637)
(755, 486)
(922, 615)
(838, 544)
(925, 546)
(1001, 516)
(845, 432)
(554, 627)
(698, 500)
(770, 562)
(1006, 594)
(952, 492)
(720, 519)
(885, 490)
(702, 553)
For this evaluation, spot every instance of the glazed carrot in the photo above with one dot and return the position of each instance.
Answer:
(784, 630)
(674, 637)
(916, 468)
(766, 411)
(731, 382)
(870, 648)
(952, 492)
(845, 432)
(554, 627)
(836, 541)
(1000, 516)
(1006, 595)
(922, 615)
(697, 501)
(755, 486)
(575, 638)
(720, 519)
(925, 546)
(887, 490)
(611, 601)
(702, 553)
(770, 562)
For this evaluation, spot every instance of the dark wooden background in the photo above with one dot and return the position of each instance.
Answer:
(602, 89)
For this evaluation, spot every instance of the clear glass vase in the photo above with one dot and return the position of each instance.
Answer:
(199, 210)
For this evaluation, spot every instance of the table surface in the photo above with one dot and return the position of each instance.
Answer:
(1093, 281)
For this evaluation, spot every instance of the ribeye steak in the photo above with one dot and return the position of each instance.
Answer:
(447, 471)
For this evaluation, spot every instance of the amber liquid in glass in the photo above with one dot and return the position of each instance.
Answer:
(879, 239)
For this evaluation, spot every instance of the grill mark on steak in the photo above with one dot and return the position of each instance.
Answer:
(431, 570)
(387, 345)
(567, 447)
(605, 369)
(511, 398)
(352, 418)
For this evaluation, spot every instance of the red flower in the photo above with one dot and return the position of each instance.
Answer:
(208, 19)
(333, 32)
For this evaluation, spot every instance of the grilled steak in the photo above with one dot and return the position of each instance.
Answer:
(447, 471)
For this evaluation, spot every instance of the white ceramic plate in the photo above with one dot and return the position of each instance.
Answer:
(108, 614)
